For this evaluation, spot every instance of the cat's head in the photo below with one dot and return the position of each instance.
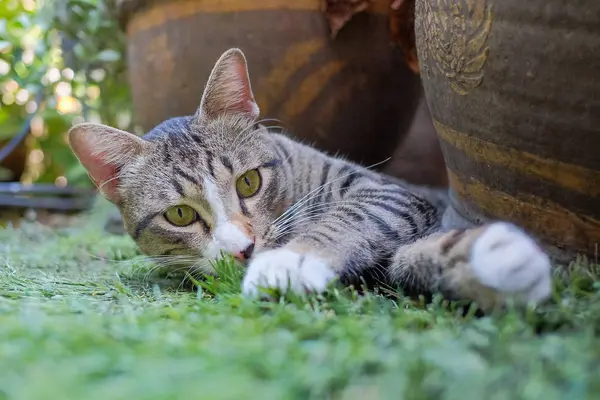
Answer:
(193, 186)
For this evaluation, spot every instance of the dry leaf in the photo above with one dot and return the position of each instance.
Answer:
(402, 25)
(339, 12)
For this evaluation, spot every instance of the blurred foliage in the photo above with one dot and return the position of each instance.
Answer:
(70, 54)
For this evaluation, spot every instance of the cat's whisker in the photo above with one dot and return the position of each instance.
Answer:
(297, 213)
(290, 228)
(173, 263)
(309, 208)
(280, 128)
(246, 137)
(176, 270)
(235, 144)
(170, 270)
(110, 260)
(297, 218)
(241, 135)
(271, 119)
(282, 234)
(239, 142)
(132, 261)
(291, 218)
(287, 158)
(311, 195)
(177, 263)
(167, 257)
(293, 222)
(249, 136)
(153, 269)
(193, 270)
(167, 262)
(308, 214)
(184, 279)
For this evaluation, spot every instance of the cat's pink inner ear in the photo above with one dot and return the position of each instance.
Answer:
(105, 176)
(228, 90)
(103, 151)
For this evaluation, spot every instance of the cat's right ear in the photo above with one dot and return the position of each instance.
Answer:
(103, 151)
(228, 91)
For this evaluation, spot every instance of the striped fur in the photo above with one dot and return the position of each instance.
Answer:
(315, 218)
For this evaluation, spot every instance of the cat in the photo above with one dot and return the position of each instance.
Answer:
(220, 181)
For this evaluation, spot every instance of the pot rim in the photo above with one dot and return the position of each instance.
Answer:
(126, 8)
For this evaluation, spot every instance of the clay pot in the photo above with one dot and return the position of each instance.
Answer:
(14, 163)
(352, 95)
(514, 93)
(418, 157)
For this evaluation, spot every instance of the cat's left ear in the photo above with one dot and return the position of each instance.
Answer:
(104, 151)
(228, 90)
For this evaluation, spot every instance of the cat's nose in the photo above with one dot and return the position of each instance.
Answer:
(246, 253)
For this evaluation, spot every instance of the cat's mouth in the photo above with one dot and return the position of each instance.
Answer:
(248, 251)
(259, 246)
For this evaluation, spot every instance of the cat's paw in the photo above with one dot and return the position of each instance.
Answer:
(506, 259)
(287, 270)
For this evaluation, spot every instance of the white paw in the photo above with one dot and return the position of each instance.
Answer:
(287, 270)
(506, 259)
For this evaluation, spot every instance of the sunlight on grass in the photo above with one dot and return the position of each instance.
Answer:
(84, 316)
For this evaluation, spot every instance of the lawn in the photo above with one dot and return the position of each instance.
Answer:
(82, 316)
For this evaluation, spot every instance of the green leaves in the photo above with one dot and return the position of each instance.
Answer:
(5, 46)
(108, 56)
(57, 50)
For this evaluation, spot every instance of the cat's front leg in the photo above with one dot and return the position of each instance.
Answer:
(488, 265)
(288, 269)
(354, 234)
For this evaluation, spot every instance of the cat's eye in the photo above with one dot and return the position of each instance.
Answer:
(181, 215)
(248, 184)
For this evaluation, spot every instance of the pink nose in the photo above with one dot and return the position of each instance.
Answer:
(246, 253)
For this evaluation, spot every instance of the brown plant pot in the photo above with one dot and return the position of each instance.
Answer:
(514, 93)
(15, 162)
(352, 95)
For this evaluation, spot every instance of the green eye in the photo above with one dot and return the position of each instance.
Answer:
(181, 215)
(248, 184)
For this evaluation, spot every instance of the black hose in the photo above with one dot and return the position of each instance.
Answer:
(15, 141)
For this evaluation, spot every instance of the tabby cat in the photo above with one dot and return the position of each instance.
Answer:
(220, 181)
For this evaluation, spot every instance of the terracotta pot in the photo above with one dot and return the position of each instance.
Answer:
(352, 95)
(15, 162)
(514, 93)
(418, 157)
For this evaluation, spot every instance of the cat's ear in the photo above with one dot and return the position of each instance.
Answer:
(103, 151)
(228, 90)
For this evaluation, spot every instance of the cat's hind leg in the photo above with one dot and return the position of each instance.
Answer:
(487, 265)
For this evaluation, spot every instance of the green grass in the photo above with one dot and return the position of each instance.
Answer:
(82, 318)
